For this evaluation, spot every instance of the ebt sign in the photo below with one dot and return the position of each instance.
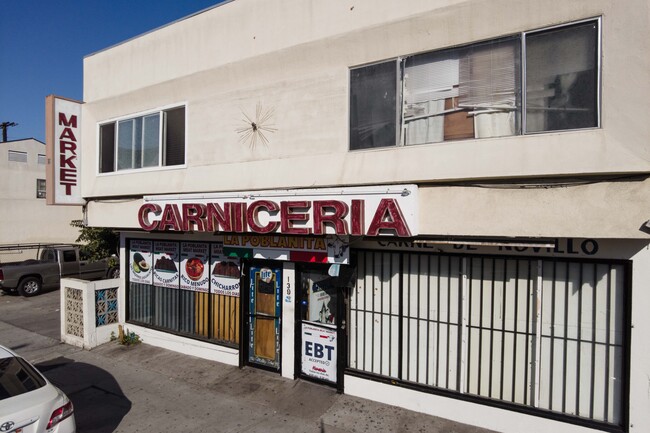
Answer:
(372, 211)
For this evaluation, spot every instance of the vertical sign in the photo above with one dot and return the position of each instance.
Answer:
(194, 266)
(319, 352)
(140, 259)
(166, 259)
(63, 151)
(226, 273)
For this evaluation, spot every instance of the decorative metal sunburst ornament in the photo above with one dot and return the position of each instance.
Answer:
(255, 129)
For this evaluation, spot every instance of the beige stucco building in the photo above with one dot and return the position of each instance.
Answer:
(26, 219)
(453, 194)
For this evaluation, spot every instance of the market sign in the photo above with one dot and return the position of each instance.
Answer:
(63, 151)
(371, 211)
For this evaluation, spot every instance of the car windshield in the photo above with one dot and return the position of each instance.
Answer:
(17, 377)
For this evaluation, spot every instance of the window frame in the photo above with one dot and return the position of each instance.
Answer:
(162, 145)
(521, 36)
(598, 67)
(41, 193)
(19, 154)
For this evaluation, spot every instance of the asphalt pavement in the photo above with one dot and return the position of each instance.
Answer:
(143, 388)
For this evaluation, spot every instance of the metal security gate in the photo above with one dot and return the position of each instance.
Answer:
(549, 335)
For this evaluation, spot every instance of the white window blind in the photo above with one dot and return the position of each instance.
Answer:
(17, 156)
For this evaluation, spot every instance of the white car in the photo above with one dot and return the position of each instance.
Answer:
(29, 403)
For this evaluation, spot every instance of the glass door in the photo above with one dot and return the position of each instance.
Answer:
(321, 326)
(264, 311)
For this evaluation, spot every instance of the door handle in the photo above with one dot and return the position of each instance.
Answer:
(342, 324)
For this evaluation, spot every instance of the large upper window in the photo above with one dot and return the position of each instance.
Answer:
(153, 140)
(546, 80)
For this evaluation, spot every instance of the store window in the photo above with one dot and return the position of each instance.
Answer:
(153, 140)
(488, 89)
(186, 288)
(40, 188)
(548, 335)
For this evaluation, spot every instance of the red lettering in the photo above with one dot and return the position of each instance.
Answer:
(193, 213)
(67, 145)
(217, 218)
(68, 122)
(68, 175)
(63, 161)
(388, 216)
(253, 216)
(67, 133)
(238, 217)
(143, 216)
(339, 210)
(357, 218)
(288, 216)
(171, 218)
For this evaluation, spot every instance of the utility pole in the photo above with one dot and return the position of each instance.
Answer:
(4, 126)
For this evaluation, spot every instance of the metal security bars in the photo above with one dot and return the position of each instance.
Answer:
(202, 315)
(544, 334)
(206, 315)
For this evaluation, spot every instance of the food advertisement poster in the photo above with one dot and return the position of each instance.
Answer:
(166, 264)
(319, 352)
(225, 272)
(194, 266)
(140, 261)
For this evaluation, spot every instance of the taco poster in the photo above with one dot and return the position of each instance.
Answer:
(140, 261)
(166, 264)
(195, 266)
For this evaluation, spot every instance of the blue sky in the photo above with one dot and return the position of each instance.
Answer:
(43, 43)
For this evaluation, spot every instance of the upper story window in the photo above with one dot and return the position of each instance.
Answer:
(153, 140)
(42, 160)
(539, 81)
(17, 156)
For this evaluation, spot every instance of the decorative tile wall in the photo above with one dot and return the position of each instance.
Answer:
(74, 316)
(105, 306)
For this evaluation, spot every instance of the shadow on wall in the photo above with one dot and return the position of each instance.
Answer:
(99, 403)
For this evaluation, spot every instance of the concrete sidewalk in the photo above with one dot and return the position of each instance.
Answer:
(147, 389)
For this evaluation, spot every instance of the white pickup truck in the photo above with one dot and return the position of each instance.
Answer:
(30, 277)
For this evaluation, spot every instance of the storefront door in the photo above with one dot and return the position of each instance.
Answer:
(263, 315)
(320, 330)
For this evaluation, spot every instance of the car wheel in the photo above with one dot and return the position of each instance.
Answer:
(114, 273)
(30, 286)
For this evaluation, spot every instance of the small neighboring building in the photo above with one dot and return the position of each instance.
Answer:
(436, 204)
(25, 217)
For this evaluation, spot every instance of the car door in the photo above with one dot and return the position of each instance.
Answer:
(69, 263)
